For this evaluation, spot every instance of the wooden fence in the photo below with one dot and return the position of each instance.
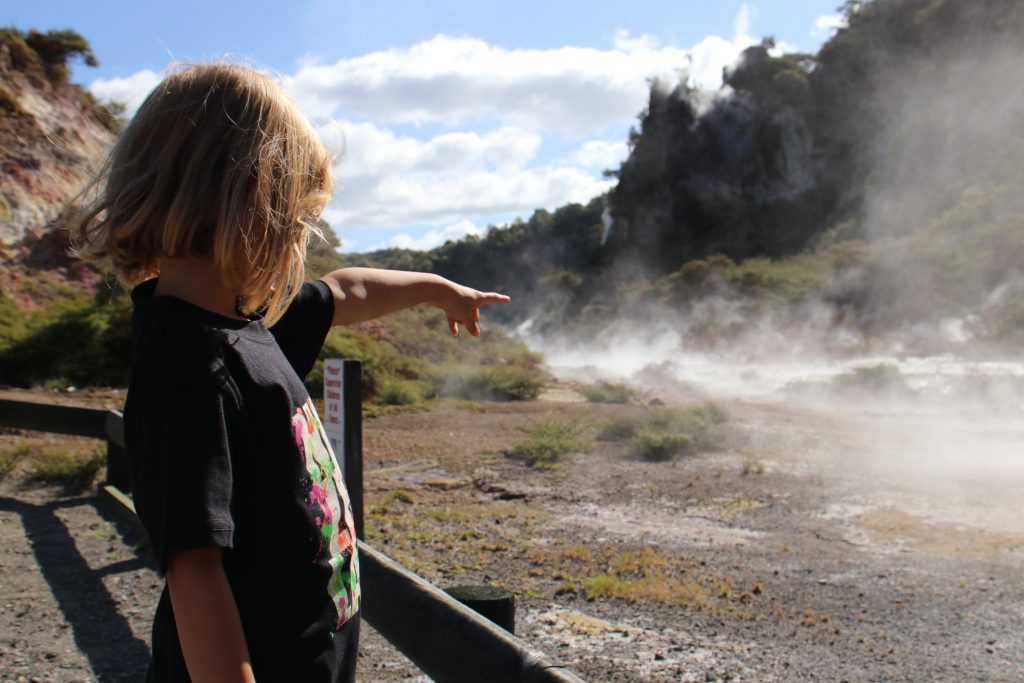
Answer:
(448, 641)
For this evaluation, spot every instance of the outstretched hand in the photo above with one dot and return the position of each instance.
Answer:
(462, 305)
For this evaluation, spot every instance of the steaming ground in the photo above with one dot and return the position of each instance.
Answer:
(941, 435)
(880, 542)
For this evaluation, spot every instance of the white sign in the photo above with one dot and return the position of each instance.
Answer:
(334, 412)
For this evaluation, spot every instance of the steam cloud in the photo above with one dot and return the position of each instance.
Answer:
(928, 406)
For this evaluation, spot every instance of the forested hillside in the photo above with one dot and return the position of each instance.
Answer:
(877, 182)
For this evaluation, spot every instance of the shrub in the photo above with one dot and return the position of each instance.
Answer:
(872, 378)
(548, 441)
(666, 433)
(87, 345)
(399, 393)
(619, 429)
(497, 382)
(513, 382)
(411, 353)
(609, 392)
(659, 444)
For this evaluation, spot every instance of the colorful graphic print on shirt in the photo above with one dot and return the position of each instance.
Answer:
(333, 510)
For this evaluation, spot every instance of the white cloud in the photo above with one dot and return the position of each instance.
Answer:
(600, 154)
(432, 198)
(826, 25)
(130, 90)
(450, 80)
(496, 110)
(387, 179)
(435, 238)
(370, 150)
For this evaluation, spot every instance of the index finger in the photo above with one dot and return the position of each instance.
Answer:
(493, 298)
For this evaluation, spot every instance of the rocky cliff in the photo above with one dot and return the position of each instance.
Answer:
(53, 135)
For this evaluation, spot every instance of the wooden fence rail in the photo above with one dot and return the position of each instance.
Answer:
(448, 641)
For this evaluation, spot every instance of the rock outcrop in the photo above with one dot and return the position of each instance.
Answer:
(52, 137)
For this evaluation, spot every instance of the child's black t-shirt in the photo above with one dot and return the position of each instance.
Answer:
(227, 451)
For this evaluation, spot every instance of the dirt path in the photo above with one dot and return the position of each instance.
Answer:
(787, 554)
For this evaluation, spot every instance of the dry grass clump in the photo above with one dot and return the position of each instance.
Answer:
(613, 572)
(73, 464)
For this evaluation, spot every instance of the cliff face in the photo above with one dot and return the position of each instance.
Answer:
(52, 137)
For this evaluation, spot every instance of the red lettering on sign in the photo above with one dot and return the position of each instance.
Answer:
(333, 371)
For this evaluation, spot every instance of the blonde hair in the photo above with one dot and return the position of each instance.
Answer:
(217, 163)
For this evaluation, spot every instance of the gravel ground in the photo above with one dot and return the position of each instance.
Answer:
(830, 564)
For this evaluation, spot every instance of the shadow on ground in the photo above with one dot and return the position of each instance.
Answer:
(101, 633)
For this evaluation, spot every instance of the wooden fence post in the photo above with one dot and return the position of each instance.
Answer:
(118, 470)
(491, 602)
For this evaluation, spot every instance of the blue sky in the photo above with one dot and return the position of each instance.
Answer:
(447, 116)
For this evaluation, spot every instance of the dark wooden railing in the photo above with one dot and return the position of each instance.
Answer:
(448, 641)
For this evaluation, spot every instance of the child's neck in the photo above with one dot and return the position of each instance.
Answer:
(198, 282)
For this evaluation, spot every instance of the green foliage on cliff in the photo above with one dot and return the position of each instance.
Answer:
(47, 52)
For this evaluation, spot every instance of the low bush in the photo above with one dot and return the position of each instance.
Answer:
(79, 342)
(666, 433)
(548, 441)
(400, 393)
(619, 429)
(505, 383)
(409, 356)
(873, 378)
(657, 444)
(609, 392)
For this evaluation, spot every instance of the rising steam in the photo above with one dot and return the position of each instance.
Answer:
(932, 403)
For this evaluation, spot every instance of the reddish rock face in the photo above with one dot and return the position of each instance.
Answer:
(52, 137)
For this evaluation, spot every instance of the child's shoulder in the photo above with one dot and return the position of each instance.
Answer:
(176, 341)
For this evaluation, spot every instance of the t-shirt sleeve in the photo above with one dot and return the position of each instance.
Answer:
(182, 462)
(302, 329)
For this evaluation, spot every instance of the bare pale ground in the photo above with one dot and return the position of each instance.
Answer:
(807, 547)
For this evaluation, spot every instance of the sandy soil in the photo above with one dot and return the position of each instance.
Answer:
(789, 553)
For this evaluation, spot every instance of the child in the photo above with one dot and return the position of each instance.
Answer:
(211, 194)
